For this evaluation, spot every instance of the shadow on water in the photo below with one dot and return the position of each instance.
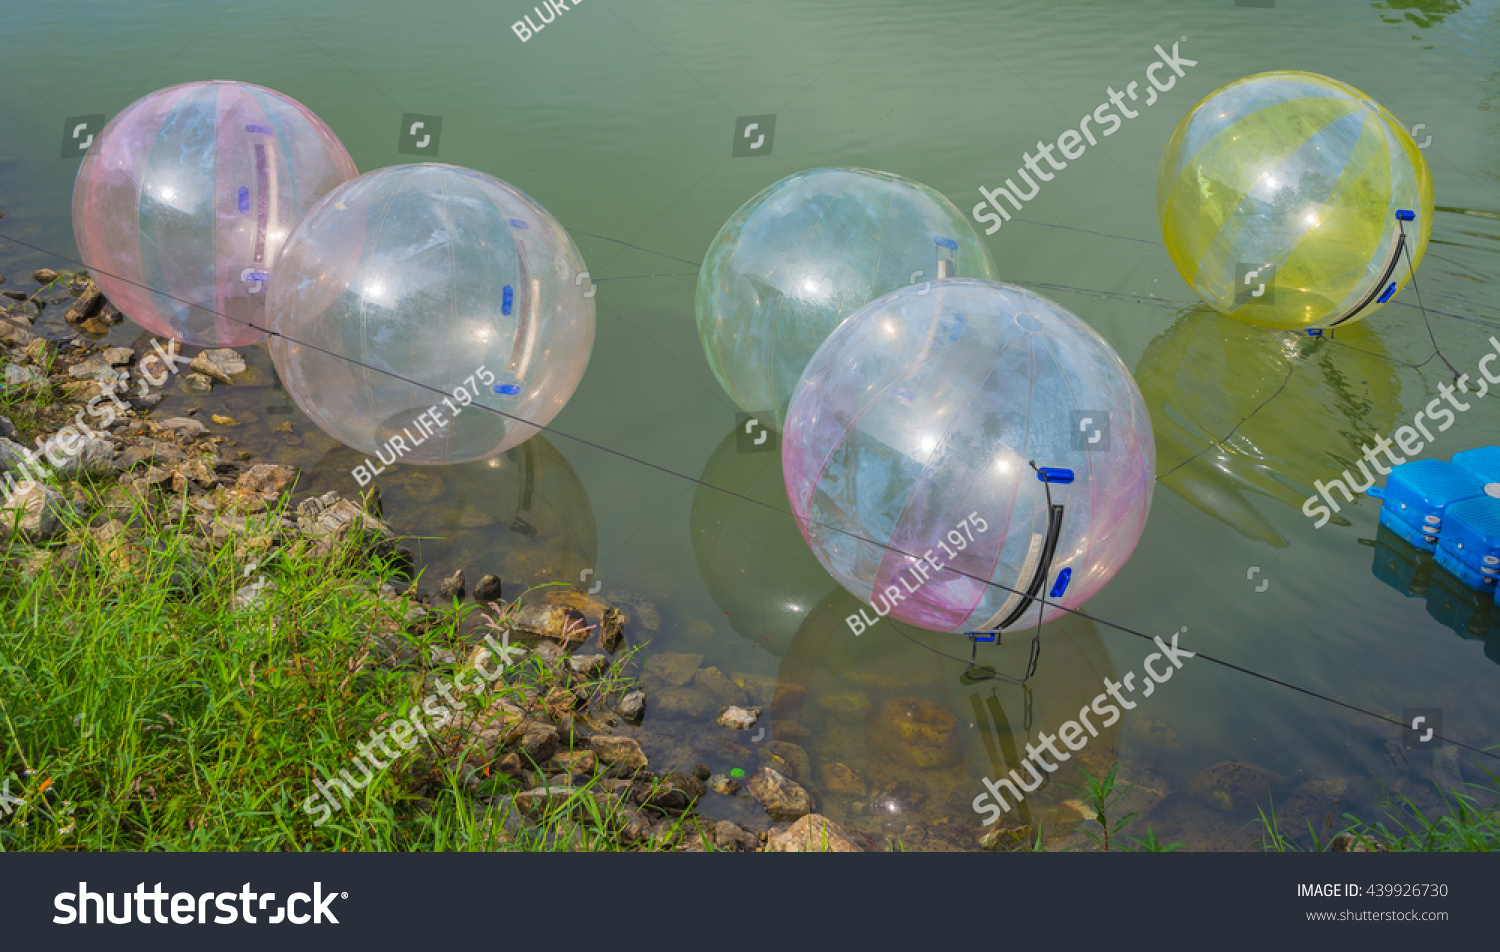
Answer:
(1471, 615)
(879, 726)
(1241, 411)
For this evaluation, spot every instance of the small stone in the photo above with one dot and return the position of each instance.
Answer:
(221, 364)
(223, 420)
(184, 428)
(488, 590)
(538, 743)
(88, 303)
(1005, 837)
(702, 772)
(719, 783)
(8, 429)
(197, 383)
(16, 295)
(588, 666)
(739, 718)
(812, 833)
(18, 376)
(452, 586)
(33, 512)
(731, 838)
(118, 356)
(108, 315)
(578, 761)
(44, 275)
(632, 706)
(509, 764)
(783, 798)
(612, 629)
(842, 779)
(618, 750)
(269, 479)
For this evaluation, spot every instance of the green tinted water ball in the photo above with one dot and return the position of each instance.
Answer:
(807, 252)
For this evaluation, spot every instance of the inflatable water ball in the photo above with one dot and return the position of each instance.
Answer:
(1279, 197)
(806, 253)
(414, 297)
(180, 206)
(916, 446)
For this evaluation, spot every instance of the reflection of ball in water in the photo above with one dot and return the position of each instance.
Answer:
(914, 427)
(180, 206)
(806, 253)
(1278, 195)
(443, 276)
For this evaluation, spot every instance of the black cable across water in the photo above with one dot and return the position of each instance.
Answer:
(765, 505)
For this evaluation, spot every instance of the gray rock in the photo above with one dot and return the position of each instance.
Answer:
(739, 718)
(197, 383)
(118, 356)
(88, 455)
(19, 376)
(221, 364)
(730, 838)
(588, 666)
(8, 429)
(34, 512)
(183, 427)
(452, 586)
(632, 706)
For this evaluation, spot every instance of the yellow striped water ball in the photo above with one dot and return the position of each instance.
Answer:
(1291, 200)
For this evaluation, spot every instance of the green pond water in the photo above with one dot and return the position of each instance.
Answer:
(620, 118)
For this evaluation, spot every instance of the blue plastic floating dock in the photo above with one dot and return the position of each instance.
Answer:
(1469, 546)
(1418, 493)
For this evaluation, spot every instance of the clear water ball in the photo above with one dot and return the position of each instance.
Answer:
(806, 253)
(181, 204)
(414, 297)
(909, 446)
(1278, 198)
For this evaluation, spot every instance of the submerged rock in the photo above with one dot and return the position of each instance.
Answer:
(453, 585)
(919, 732)
(1233, 787)
(632, 706)
(221, 364)
(739, 718)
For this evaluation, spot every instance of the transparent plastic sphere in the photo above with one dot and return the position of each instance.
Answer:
(806, 253)
(1278, 195)
(180, 206)
(913, 430)
(430, 277)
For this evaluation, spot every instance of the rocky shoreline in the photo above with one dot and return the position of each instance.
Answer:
(564, 749)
